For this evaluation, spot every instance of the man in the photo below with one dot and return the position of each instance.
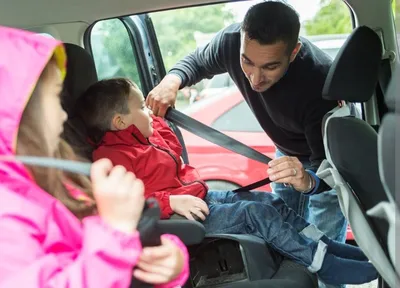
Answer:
(281, 77)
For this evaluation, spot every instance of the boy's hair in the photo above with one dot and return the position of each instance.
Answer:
(31, 142)
(100, 102)
(270, 22)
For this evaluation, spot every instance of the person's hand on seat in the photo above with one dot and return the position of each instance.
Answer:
(289, 170)
(163, 95)
(118, 194)
(189, 206)
(160, 264)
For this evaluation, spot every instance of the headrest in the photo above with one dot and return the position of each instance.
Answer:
(393, 94)
(81, 73)
(353, 75)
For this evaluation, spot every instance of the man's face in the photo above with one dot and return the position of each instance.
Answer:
(264, 65)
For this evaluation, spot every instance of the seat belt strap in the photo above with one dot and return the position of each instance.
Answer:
(180, 120)
(214, 136)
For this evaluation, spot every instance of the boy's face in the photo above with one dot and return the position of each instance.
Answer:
(139, 115)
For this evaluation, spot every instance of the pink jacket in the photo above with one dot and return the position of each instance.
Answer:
(42, 244)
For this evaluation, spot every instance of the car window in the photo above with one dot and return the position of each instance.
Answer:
(332, 52)
(219, 81)
(239, 118)
(396, 16)
(180, 31)
(112, 51)
(327, 20)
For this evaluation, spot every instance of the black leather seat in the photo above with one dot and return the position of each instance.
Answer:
(351, 145)
(81, 73)
(219, 260)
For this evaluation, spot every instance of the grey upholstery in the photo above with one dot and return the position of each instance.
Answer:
(388, 156)
(351, 146)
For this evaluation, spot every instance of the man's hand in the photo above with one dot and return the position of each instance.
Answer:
(163, 95)
(289, 170)
(186, 205)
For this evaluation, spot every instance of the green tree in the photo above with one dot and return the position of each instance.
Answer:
(175, 29)
(332, 18)
(112, 51)
(396, 11)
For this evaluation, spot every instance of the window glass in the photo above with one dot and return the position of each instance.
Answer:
(215, 102)
(326, 23)
(396, 14)
(238, 118)
(112, 51)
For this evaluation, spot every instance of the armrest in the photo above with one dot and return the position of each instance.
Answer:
(190, 232)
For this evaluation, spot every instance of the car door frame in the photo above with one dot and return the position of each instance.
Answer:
(152, 66)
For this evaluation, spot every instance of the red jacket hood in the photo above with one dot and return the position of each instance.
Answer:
(128, 136)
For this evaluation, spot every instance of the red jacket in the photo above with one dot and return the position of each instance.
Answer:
(156, 161)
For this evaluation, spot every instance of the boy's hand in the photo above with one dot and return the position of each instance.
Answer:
(161, 264)
(186, 205)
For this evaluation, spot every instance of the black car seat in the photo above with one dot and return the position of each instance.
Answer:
(388, 153)
(351, 146)
(81, 73)
(219, 260)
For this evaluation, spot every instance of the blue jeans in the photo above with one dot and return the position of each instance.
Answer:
(322, 210)
(267, 216)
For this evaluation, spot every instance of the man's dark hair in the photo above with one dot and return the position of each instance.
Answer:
(100, 102)
(270, 22)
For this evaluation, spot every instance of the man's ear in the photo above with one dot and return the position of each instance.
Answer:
(295, 51)
(117, 123)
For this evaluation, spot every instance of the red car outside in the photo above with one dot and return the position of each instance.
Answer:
(228, 113)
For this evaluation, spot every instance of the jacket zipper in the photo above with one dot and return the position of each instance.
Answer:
(175, 160)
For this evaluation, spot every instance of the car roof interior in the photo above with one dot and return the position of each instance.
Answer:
(74, 16)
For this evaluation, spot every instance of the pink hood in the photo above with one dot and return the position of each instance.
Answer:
(22, 60)
(41, 243)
